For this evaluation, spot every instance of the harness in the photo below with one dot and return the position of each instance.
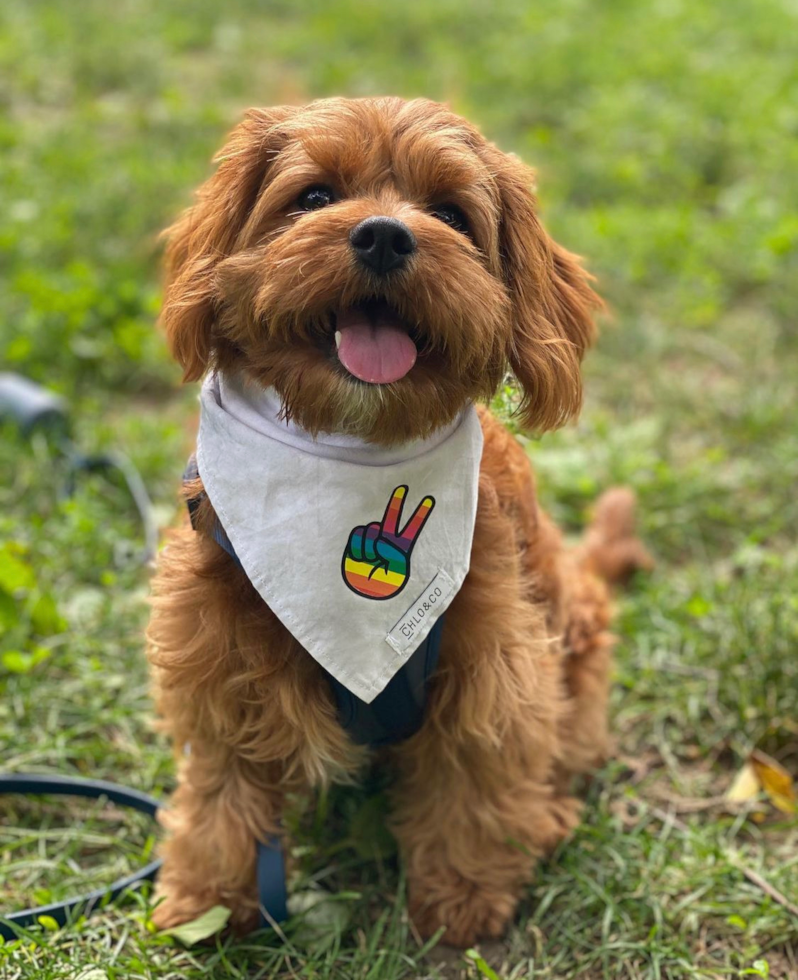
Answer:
(393, 716)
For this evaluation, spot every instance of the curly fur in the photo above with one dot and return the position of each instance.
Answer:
(518, 704)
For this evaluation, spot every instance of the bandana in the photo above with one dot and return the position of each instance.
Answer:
(357, 549)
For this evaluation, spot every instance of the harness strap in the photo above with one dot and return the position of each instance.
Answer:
(218, 533)
(398, 710)
(270, 874)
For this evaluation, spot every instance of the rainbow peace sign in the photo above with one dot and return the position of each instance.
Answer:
(376, 561)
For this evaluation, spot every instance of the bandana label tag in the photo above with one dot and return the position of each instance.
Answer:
(422, 614)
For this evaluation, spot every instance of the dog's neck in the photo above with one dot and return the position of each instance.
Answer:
(261, 409)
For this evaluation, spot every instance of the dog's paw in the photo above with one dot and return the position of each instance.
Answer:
(465, 910)
(555, 822)
(175, 907)
(171, 912)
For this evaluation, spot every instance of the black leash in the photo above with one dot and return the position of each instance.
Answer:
(272, 893)
(93, 789)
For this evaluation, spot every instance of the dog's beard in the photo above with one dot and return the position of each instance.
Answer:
(333, 401)
(318, 394)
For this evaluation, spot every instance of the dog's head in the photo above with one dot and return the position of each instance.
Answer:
(379, 264)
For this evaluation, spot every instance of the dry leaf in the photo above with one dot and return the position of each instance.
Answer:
(207, 925)
(745, 787)
(775, 781)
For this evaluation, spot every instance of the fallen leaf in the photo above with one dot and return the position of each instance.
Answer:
(213, 921)
(761, 772)
(745, 787)
(323, 916)
(775, 781)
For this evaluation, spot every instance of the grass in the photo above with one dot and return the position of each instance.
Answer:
(665, 137)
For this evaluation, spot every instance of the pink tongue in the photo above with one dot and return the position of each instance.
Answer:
(375, 350)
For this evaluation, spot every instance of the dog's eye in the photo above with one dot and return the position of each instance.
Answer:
(452, 216)
(315, 197)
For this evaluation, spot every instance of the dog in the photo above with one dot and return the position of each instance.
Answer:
(395, 217)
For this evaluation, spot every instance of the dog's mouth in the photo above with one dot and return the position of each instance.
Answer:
(373, 342)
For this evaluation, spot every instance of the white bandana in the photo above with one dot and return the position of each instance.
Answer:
(357, 549)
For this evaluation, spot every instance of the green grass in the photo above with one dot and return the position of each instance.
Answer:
(665, 139)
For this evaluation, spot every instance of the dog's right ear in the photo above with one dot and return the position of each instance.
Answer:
(206, 232)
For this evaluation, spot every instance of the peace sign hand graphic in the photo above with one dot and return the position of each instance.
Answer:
(376, 561)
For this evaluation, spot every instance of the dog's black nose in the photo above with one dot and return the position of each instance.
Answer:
(382, 244)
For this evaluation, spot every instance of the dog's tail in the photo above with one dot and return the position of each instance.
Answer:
(611, 548)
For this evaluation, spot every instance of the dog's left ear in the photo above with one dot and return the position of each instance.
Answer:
(553, 303)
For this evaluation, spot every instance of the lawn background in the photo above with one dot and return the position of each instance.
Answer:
(665, 135)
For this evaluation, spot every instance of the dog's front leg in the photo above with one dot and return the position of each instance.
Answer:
(475, 803)
(257, 715)
(472, 816)
(222, 805)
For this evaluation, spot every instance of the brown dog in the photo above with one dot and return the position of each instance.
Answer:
(260, 269)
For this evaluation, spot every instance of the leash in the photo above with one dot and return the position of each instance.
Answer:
(272, 893)
(94, 789)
